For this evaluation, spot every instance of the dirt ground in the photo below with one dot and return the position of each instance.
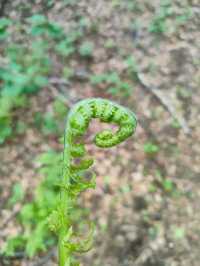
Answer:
(146, 206)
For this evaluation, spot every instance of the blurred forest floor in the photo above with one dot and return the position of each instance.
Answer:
(145, 55)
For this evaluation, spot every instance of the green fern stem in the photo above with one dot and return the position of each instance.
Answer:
(74, 182)
(64, 254)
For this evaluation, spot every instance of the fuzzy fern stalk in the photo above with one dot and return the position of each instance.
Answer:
(76, 165)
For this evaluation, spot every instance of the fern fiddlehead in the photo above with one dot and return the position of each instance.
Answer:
(73, 181)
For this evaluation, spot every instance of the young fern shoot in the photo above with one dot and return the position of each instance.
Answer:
(73, 181)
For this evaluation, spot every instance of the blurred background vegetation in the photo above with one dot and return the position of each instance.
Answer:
(142, 54)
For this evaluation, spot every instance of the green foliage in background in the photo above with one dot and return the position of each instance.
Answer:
(131, 5)
(4, 23)
(151, 148)
(27, 66)
(86, 49)
(165, 12)
(33, 216)
(158, 24)
(27, 63)
(165, 184)
(114, 84)
(17, 194)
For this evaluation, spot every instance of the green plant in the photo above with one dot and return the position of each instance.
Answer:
(49, 124)
(26, 66)
(131, 5)
(33, 215)
(74, 173)
(25, 71)
(86, 49)
(179, 233)
(184, 17)
(132, 67)
(175, 124)
(158, 24)
(4, 23)
(70, 2)
(165, 13)
(110, 44)
(151, 148)
(114, 84)
(40, 24)
(59, 108)
(167, 185)
(17, 194)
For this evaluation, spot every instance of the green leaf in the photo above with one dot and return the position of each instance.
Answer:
(4, 23)
(41, 81)
(132, 65)
(64, 48)
(86, 49)
(27, 213)
(70, 2)
(113, 90)
(48, 158)
(21, 127)
(168, 185)
(79, 245)
(35, 241)
(112, 78)
(50, 125)
(37, 19)
(60, 108)
(13, 244)
(179, 233)
(151, 148)
(17, 194)
(96, 79)
(5, 129)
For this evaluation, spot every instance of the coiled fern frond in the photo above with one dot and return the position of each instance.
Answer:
(74, 180)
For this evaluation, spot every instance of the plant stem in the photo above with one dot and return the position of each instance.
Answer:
(63, 254)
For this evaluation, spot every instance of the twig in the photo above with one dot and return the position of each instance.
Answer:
(165, 102)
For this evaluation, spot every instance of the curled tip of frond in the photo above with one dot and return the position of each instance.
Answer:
(106, 111)
(77, 124)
